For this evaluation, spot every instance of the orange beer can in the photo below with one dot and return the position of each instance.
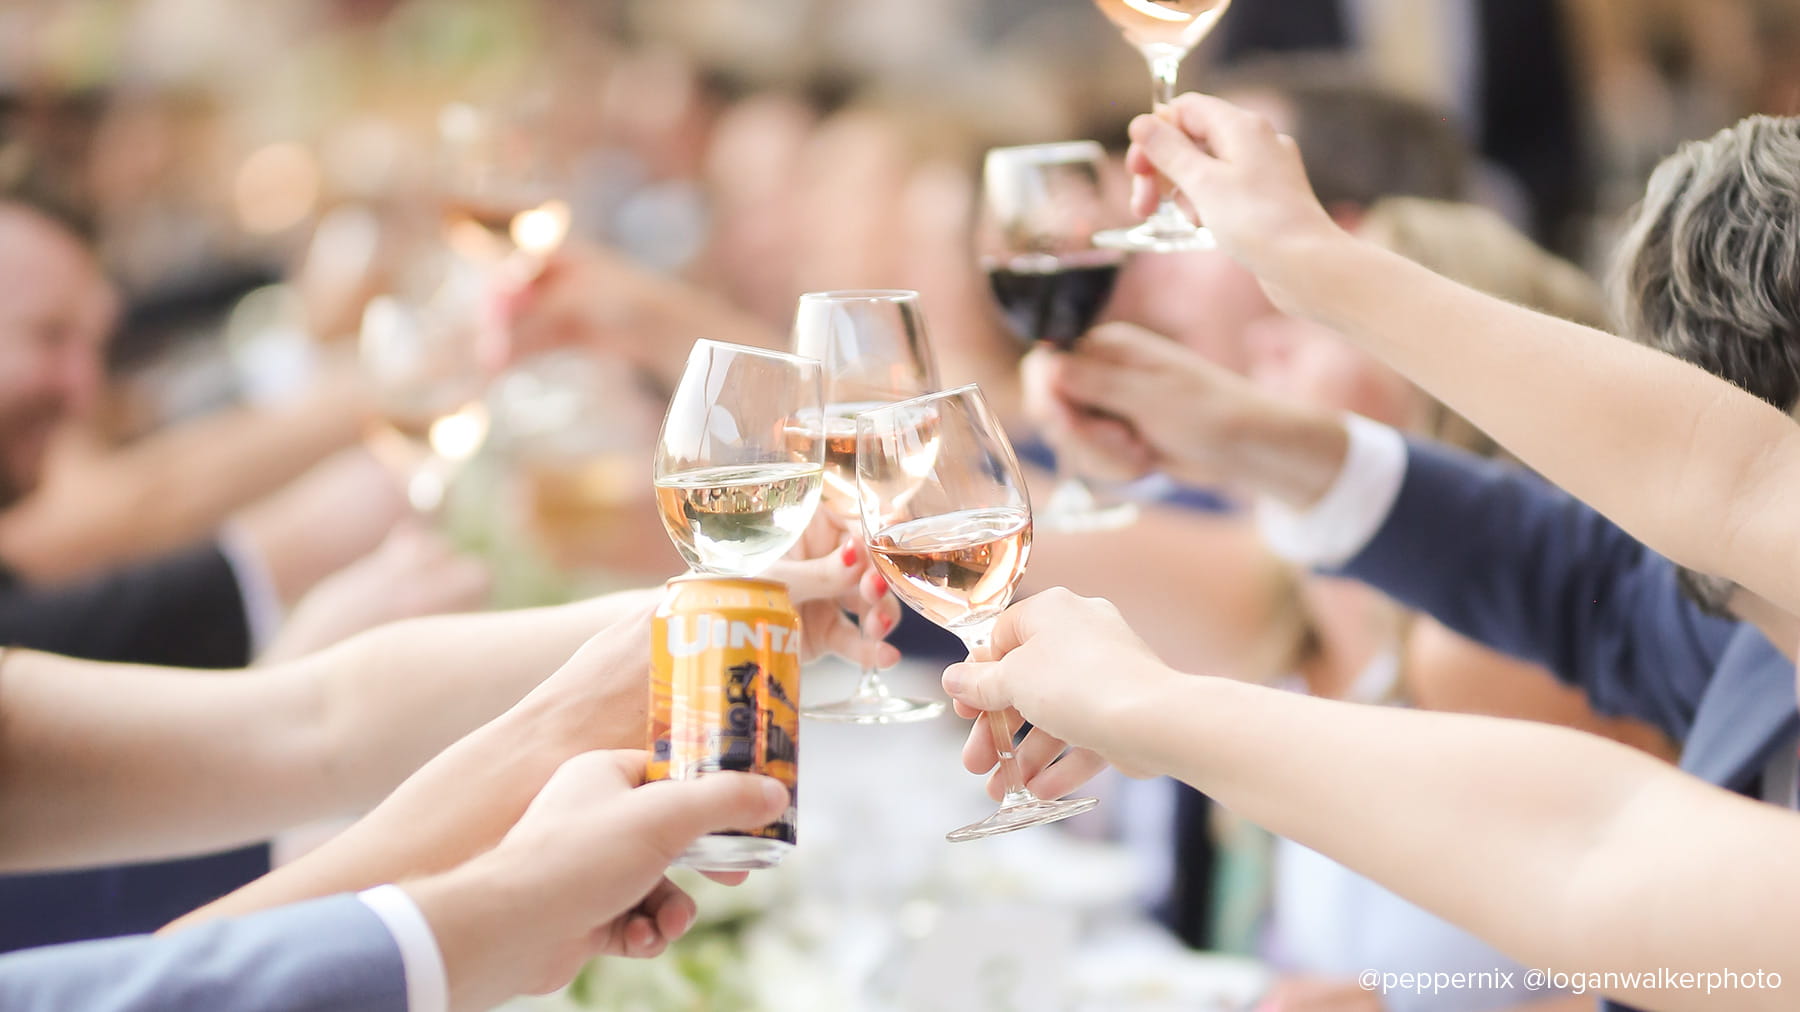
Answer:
(724, 695)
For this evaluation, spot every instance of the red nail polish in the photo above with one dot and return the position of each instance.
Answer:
(849, 555)
(880, 586)
(887, 624)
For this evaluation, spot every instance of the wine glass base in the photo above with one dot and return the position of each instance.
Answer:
(1115, 517)
(1022, 816)
(876, 710)
(733, 852)
(1149, 238)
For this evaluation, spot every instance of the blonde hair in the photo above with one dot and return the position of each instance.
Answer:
(1474, 246)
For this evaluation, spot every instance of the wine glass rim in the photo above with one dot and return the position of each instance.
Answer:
(935, 395)
(862, 295)
(748, 349)
(1053, 151)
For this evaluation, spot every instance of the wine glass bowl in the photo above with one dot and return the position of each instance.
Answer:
(948, 523)
(428, 390)
(1041, 206)
(733, 488)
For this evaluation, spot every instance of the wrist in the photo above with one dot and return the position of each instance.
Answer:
(1132, 718)
(490, 927)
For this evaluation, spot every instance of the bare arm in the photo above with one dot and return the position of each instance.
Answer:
(102, 506)
(1687, 463)
(104, 763)
(1562, 849)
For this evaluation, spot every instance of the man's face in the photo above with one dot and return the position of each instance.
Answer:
(1202, 300)
(55, 312)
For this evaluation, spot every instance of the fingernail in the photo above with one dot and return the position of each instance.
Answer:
(887, 624)
(880, 586)
(953, 682)
(849, 554)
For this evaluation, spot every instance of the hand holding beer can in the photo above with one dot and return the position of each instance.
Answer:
(724, 694)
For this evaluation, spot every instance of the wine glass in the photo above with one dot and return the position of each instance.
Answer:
(428, 388)
(1165, 31)
(733, 492)
(1041, 205)
(949, 525)
(498, 205)
(575, 425)
(873, 347)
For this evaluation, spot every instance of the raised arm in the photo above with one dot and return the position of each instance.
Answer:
(107, 763)
(1684, 461)
(1564, 850)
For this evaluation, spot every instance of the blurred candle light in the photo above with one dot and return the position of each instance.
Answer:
(537, 232)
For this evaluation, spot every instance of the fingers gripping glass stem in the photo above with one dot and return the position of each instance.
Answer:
(1019, 808)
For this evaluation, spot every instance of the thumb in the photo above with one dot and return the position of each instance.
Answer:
(670, 814)
(980, 684)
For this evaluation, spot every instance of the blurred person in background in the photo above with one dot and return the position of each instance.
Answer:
(1503, 69)
(213, 604)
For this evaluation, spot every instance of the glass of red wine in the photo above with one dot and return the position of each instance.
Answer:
(1042, 205)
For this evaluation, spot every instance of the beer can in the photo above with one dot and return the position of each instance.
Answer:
(724, 695)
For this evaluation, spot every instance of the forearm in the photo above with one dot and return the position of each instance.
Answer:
(107, 763)
(393, 697)
(174, 487)
(1682, 460)
(1568, 836)
(103, 763)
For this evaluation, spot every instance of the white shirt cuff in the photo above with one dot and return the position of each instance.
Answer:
(262, 604)
(1352, 511)
(427, 983)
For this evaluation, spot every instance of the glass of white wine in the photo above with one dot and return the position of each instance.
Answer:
(949, 525)
(428, 387)
(1165, 31)
(733, 491)
(873, 347)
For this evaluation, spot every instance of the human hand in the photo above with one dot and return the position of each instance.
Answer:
(1049, 650)
(1242, 179)
(1125, 402)
(829, 573)
(415, 572)
(581, 874)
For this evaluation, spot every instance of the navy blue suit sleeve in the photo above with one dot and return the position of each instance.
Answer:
(1506, 559)
(184, 610)
(330, 954)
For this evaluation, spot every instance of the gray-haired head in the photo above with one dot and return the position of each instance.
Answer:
(1710, 269)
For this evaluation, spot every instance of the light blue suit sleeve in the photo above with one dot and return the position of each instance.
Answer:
(331, 954)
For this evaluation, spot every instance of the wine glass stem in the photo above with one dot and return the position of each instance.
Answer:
(1165, 73)
(978, 638)
(871, 686)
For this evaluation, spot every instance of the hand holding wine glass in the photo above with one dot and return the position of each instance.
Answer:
(428, 386)
(874, 350)
(1165, 31)
(948, 524)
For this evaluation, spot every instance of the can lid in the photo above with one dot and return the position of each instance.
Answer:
(750, 581)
